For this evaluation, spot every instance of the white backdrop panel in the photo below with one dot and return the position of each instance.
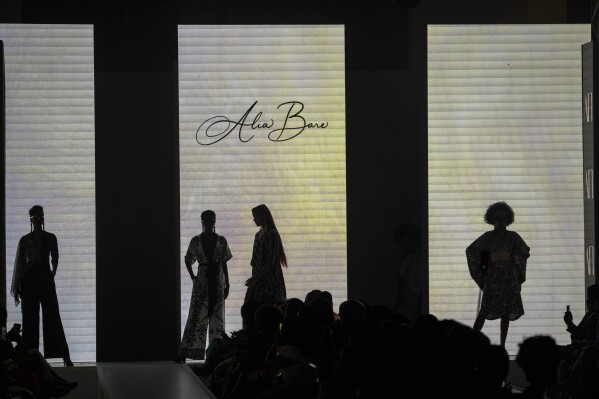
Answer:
(282, 78)
(504, 112)
(50, 161)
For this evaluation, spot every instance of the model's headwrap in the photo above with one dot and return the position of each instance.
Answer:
(37, 211)
(209, 216)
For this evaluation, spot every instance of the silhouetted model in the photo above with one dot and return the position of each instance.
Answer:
(497, 263)
(267, 284)
(33, 284)
(210, 289)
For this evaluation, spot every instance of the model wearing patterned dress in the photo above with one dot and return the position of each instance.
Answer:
(497, 263)
(267, 284)
(210, 289)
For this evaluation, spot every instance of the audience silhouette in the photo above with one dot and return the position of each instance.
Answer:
(24, 372)
(302, 349)
(538, 357)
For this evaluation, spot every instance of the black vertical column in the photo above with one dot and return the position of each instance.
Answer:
(138, 300)
(2, 178)
(137, 179)
(589, 145)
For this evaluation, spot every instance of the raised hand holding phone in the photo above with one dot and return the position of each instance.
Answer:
(568, 316)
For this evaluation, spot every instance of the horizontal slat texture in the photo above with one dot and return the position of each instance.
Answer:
(223, 70)
(50, 161)
(504, 112)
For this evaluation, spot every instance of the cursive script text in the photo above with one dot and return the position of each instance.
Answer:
(217, 128)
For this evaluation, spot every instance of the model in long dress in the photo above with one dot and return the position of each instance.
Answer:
(267, 284)
(210, 289)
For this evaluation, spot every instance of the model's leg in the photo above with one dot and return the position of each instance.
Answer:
(194, 337)
(479, 323)
(217, 321)
(30, 309)
(190, 331)
(55, 343)
(216, 346)
(505, 324)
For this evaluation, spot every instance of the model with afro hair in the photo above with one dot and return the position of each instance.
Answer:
(497, 207)
(497, 263)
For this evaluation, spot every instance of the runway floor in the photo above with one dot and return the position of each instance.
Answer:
(148, 380)
(154, 380)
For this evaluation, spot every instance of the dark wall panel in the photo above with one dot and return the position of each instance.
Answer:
(138, 305)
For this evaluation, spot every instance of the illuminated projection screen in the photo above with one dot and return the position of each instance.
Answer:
(504, 124)
(50, 161)
(274, 99)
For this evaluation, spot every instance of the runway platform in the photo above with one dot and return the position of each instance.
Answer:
(126, 380)
(168, 380)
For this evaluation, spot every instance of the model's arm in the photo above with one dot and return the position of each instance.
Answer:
(473, 257)
(273, 247)
(227, 286)
(252, 280)
(54, 254)
(263, 269)
(190, 259)
(189, 269)
(16, 279)
(520, 257)
(226, 257)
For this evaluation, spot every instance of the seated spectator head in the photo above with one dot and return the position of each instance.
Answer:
(433, 339)
(325, 310)
(377, 314)
(341, 333)
(400, 318)
(326, 295)
(248, 310)
(316, 316)
(293, 333)
(466, 342)
(493, 366)
(292, 307)
(268, 318)
(311, 296)
(352, 311)
(397, 337)
(538, 357)
(421, 323)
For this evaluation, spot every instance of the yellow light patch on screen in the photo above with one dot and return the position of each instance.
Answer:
(262, 120)
(50, 161)
(504, 124)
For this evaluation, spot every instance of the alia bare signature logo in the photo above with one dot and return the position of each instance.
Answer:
(219, 127)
